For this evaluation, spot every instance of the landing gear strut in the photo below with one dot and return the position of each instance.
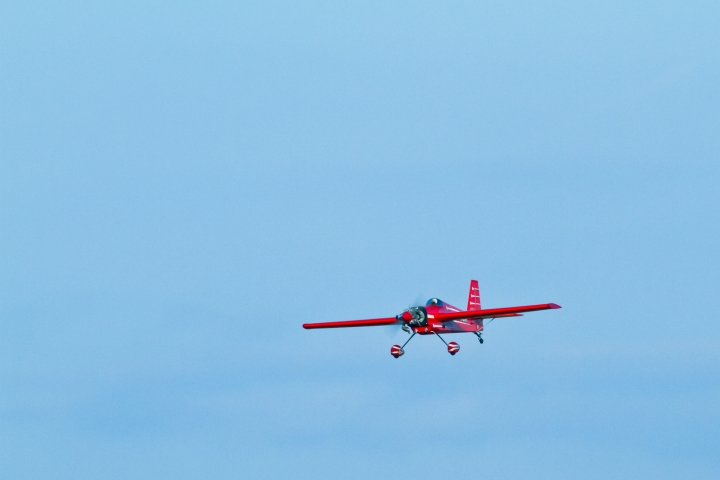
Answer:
(479, 335)
(453, 347)
(397, 351)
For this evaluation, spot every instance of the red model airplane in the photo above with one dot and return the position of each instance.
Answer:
(439, 317)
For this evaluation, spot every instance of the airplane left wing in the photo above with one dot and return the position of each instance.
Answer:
(494, 312)
(375, 322)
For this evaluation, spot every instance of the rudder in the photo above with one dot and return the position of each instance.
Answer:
(474, 296)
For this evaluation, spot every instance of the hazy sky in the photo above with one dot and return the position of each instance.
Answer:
(183, 185)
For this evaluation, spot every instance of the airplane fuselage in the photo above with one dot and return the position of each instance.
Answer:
(436, 306)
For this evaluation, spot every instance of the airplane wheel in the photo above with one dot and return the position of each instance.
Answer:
(453, 348)
(482, 341)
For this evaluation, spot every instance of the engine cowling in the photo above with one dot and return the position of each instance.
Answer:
(415, 316)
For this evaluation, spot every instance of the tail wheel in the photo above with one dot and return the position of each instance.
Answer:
(453, 348)
(397, 351)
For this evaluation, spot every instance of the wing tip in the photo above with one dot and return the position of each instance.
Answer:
(554, 305)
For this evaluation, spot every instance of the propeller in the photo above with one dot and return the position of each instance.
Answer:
(419, 301)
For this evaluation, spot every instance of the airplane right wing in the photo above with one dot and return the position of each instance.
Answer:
(375, 322)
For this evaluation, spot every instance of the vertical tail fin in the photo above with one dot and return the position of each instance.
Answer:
(474, 296)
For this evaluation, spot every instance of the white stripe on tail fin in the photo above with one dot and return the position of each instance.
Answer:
(474, 296)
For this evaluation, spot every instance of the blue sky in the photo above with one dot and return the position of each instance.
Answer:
(183, 185)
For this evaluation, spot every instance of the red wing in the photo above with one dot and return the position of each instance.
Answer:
(494, 312)
(441, 317)
(375, 322)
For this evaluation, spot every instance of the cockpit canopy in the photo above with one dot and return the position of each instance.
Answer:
(435, 301)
